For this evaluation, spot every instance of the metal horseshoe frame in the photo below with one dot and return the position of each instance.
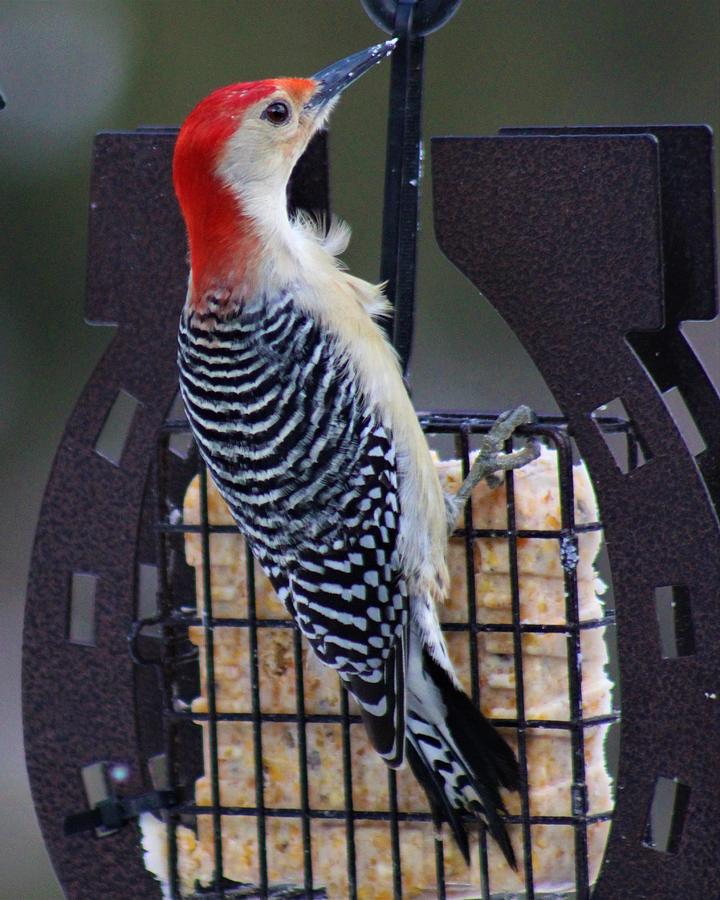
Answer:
(601, 248)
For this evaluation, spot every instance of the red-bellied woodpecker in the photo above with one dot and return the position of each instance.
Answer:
(298, 407)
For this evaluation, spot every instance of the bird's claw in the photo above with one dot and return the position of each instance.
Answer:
(516, 459)
(491, 459)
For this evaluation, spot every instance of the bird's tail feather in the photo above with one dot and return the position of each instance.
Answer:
(382, 705)
(458, 757)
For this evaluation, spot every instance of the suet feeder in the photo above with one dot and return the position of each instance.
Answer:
(595, 245)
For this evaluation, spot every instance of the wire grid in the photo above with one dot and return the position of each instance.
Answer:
(177, 654)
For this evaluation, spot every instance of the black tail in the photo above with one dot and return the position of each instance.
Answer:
(385, 728)
(459, 758)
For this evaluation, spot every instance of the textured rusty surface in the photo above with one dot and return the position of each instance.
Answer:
(563, 234)
(78, 701)
(688, 231)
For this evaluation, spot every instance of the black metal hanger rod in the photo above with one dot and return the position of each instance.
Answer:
(402, 177)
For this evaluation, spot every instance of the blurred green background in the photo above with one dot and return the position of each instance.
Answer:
(69, 69)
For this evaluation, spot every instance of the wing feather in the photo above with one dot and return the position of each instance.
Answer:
(351, 601)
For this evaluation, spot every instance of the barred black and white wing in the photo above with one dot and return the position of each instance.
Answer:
(350, 601)
(309, 473)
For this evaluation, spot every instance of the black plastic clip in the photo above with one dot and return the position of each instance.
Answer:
(148, 648)
(113, 813)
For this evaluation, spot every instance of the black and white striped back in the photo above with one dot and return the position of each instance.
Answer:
(278, 420)
(309, 473)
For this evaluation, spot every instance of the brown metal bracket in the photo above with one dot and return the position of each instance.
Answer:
(79, 692)
(564, 236)
(689, 265)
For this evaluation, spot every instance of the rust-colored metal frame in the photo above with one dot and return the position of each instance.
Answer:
(564, 234)
(79, 701)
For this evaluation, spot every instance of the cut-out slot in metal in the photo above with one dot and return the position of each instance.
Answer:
(147, 586)
(686, 425)
(147, 599)
(702, 335)
(179, 442)
(96, 782)
(666, 816)
(674, 616)
(158, 768)
(114, 433)
(624, 442)
(81, 618)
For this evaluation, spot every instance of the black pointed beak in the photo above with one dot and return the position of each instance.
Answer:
(335, 78)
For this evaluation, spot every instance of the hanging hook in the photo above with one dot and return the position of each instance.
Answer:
(408, 21)
(429, 15)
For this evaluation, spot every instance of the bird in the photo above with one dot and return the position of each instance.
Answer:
(297, 403)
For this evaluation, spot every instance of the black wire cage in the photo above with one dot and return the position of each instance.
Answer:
(172, 654)
(613, 273)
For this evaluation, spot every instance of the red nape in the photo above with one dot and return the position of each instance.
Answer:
(215, 225)
(220, 237)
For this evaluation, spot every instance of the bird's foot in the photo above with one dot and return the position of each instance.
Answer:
(491, 459)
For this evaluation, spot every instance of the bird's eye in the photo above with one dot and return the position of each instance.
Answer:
(277, 113)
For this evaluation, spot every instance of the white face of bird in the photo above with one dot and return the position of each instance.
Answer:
(272, 134)
(275, 130)
(252, 133)
(233, 158)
